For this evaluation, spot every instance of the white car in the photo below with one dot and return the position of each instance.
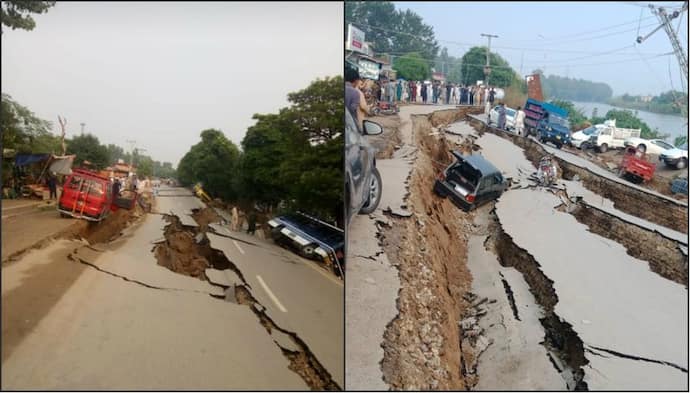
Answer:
(676, 157)
(510, 117)
(580, 137)
(649, 146)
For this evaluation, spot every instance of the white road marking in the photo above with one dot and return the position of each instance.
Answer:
(270, 294)
(238, 246)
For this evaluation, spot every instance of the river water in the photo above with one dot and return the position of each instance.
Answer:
(667, 124)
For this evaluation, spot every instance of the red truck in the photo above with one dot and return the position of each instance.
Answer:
(635, 166)
(89, 196)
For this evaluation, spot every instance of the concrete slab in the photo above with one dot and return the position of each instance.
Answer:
(575, 188)
(224, 277)
(516, 360)
(611, 299)
(394, 174)
(131, 257)
(119, 335)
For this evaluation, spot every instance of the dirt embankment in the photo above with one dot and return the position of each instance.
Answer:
(422, 345)
(626, 199)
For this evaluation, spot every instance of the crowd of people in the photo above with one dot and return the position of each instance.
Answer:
(426, 92)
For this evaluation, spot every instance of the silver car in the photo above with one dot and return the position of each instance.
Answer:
(362, 180)
(510, 117)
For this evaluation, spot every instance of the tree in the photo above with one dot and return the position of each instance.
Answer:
(577, 119)
(473, 62)
(627, 119)
(449, 65)
(575, 89)
(213, 162)
(391, 30)
(412, 67)
(317, 109)
(23, 131)
(87, 147)
(17, 14)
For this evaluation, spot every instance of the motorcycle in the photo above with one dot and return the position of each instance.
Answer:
(547, 172)
(385, 108)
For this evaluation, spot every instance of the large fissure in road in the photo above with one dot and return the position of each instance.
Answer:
(424, 345)
(186, 250)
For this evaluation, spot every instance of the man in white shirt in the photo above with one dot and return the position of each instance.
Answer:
(520, 121)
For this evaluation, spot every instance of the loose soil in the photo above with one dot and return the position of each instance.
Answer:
(422, 345)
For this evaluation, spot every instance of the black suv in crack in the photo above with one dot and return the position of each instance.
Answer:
(470, 181)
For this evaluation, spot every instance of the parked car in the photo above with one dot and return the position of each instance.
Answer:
(554, 129)
(580, 139)
(470, 181)
(648, 146)
(676, 157)
(510, 117)
(311, 238)
(86, 195)
(363, 184)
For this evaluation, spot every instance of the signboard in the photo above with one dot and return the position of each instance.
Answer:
(355, 39)
(369, 69)
(534, 87)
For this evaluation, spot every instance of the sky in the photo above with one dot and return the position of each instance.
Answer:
(566, 39)
(160, 73)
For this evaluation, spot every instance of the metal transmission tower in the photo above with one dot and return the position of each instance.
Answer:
(665, 20)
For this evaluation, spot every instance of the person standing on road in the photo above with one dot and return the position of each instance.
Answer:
(363, 108)
(501, 116)
(519, 121)
(492, 95)
(471, 96)
(352, 96)
(423, 93)
(116, 187)
(52, 185)
(399, 90)
(251, 223)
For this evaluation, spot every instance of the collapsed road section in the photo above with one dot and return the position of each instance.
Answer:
(123, 310)
(505, 297)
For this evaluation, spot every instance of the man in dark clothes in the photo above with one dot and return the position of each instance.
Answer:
(492, 93)
(116, 188)
(251, 223)
(52, 185)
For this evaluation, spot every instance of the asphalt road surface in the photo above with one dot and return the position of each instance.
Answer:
(110, 317)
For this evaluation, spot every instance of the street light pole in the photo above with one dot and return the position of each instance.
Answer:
(487, 67)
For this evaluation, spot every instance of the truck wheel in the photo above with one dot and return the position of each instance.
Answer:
(559, 146)
(603, 148)
(641, 147)
(307, 251)
(682, 163)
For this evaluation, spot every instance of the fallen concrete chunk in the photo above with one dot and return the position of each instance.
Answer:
(224, 277)
(284, 341)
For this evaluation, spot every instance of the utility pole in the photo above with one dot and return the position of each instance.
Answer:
(487, 67)
(82, 128)
(665, 20)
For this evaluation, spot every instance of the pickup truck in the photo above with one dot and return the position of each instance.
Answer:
(554, 129)
(611, 136)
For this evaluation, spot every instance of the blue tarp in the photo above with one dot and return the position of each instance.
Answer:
(27, 159)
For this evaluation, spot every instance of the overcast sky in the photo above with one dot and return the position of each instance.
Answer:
(548, 35)
(160, 73)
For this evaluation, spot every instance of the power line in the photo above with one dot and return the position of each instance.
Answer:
(468, 44)
(586, 32)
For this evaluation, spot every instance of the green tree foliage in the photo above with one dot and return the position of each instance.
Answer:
(412, 67)
(473, 68)
(16, 14)
(23, 131)
(294, 158)
(213, 162)
(556, 87)
(670, 102)
(87, 147)
(679, 140)
(627, 119)
(390, 30)
(163, 170)
(115, 153)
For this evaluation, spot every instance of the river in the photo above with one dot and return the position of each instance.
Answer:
(667, 124)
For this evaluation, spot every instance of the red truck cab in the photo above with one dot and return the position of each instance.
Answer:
(86, 195)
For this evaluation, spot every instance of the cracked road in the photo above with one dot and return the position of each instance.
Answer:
(108, 316)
